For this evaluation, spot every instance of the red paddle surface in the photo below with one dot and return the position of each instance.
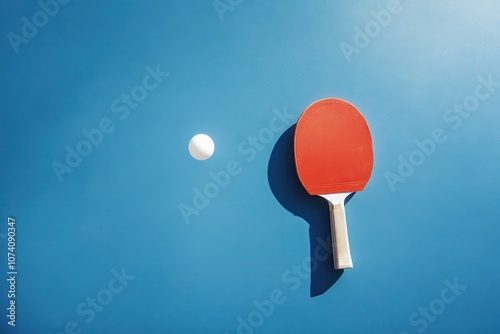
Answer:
(333, 148)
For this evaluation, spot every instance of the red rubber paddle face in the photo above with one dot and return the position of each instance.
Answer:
(333, 148)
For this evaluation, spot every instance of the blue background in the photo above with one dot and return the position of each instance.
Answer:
(119, 208)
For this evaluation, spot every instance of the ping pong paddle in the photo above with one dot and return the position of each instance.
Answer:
(334, 158)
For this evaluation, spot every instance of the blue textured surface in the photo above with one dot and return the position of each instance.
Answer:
(238, 262)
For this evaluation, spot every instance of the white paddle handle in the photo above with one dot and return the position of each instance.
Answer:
(340, 240)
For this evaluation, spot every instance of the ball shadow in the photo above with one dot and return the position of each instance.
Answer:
(286, 187)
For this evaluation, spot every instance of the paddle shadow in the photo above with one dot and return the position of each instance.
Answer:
(286, 187)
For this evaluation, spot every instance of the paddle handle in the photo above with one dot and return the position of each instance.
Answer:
(340, 240)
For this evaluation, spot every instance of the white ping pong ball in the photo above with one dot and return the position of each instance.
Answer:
(201, 147)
